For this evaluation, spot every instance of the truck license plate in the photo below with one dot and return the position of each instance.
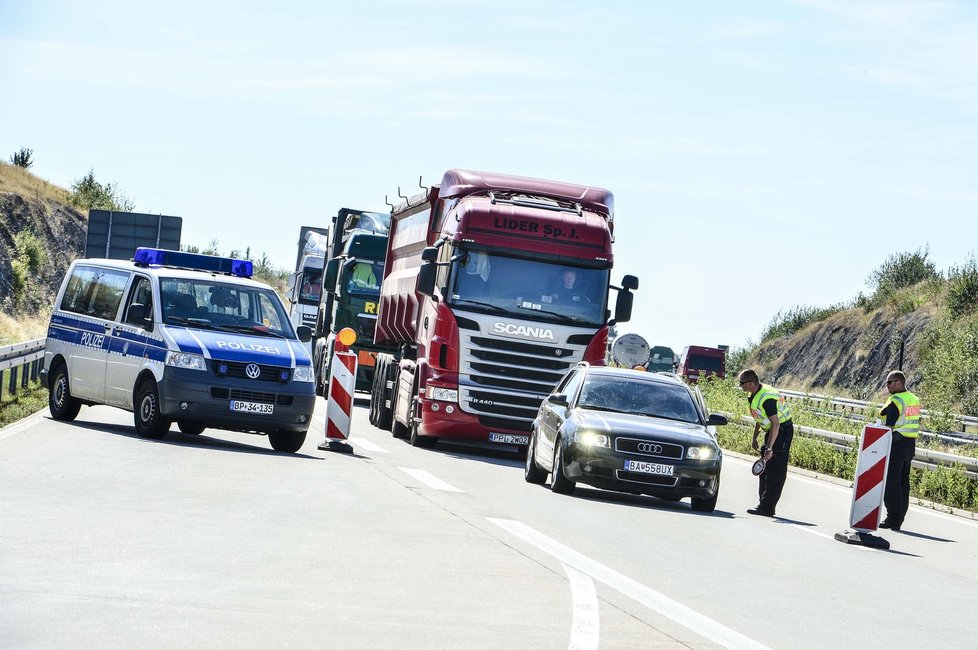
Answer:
(509, 438)
(643, 467)
(252, 407)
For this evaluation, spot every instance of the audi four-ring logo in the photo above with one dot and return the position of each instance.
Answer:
(252, 370)
(650, 448)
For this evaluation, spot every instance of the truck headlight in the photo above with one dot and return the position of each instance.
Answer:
(443, 394)
(592, 439)
(701, 453)
(302, 373)
(186, 360)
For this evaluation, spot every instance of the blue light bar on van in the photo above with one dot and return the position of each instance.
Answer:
(212, 263)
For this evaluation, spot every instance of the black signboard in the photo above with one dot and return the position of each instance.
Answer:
(117, 235)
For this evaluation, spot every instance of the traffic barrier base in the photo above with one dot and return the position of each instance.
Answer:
(339, 402)
(867, 490)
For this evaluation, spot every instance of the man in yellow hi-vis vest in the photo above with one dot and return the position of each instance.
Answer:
(772, 415)
(902, 413)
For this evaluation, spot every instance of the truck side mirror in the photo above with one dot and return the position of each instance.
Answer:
(623, 306)
(429, 254)
(426, 279)
(629, 282)
(290, 292)
(329, 275)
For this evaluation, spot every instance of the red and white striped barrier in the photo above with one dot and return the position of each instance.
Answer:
(339, 405)
(871, 466)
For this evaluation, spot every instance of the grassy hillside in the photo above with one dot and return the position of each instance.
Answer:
(932, 316)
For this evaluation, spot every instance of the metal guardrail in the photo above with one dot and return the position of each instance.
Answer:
(923, 458)
(21, 361)
(853, 405)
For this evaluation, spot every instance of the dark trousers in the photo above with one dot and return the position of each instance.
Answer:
(771, 482)
(896, 494)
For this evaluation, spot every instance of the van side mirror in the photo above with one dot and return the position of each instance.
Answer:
(136, 315)
(304, 332)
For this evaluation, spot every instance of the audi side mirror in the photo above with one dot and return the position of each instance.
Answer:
(558, 398)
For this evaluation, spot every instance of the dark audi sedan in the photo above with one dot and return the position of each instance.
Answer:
(630, 431)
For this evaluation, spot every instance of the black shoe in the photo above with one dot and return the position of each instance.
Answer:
(758, 510)
(886, 523)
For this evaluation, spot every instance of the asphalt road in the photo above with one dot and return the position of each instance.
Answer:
(110, 540)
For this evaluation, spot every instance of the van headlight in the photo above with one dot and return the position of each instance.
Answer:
(302, 373)
(701, 453)
(592, 439)
(186, 360)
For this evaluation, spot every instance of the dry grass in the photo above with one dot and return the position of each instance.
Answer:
(21, 181)
(15, 330)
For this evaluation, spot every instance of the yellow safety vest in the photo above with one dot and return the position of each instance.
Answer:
(757, 410)
(908, 410)
(363, 275)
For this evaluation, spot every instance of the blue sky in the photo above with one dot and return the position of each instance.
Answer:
(762, 154)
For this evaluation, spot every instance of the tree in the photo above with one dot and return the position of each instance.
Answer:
(22, 158)
(88, 194)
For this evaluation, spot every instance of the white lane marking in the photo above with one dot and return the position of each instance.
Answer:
(585, 623)
(638, 592)
(429, 479)
(369, 446)
(23, 425)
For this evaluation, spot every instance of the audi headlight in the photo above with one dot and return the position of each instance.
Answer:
(302, 373)
(186, 360)
(701, 453)
(443, 394)
(591, 439)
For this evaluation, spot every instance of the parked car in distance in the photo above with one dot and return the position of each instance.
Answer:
(628, 431)
(699, 362)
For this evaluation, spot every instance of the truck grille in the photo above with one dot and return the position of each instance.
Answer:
(503, 381)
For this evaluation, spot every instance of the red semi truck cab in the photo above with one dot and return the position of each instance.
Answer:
(494, 286)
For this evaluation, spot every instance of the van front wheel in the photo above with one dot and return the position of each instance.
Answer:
(148, 418)
(287, 441)
(60, 402)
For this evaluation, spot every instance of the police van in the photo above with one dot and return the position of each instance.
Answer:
(179, 337)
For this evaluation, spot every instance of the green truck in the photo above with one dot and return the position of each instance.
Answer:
(661, 359)
(351, 292)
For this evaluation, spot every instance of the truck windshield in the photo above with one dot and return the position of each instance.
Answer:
(528, 288)
(206, 303)
(311, 286)
(362, 278)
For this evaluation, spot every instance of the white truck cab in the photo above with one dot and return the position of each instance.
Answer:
(179, 337)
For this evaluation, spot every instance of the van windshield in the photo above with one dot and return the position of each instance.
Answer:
(207, 303)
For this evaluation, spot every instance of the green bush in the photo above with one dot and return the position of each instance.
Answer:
(28, 259)
(962, 289)
(795, 319)
(900, 271)
(22, 158)
(88, 194)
